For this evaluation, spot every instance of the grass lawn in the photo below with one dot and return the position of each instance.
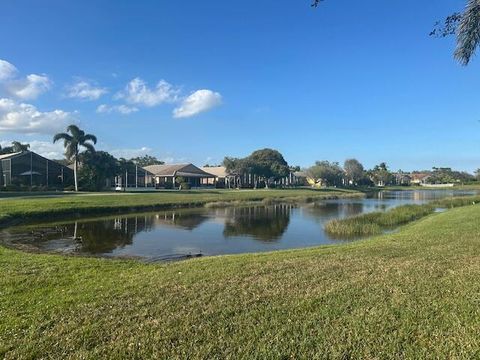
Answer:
(24, 206)
(411, 294)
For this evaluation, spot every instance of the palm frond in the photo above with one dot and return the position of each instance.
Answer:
(468, 33)
(75, 131)
(90, 137)
(62, 136)
(89, 147)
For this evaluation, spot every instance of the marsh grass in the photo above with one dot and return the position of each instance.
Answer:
(376, 222)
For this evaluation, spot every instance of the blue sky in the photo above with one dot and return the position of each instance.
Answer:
(196, 81)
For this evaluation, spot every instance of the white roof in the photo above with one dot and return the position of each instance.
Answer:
(6, 156)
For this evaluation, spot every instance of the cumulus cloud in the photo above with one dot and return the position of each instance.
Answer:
(122, 109)
(85, 90)
(137, 92)
(7, 70)
(198, 102)
(26, 118)
(130, 153)
(30, 87)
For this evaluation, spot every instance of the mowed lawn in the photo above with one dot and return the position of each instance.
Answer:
(24, 205)
(412, 294)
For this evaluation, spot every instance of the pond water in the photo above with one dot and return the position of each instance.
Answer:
(181, 233)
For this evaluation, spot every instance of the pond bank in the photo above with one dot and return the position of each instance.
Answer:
(408, 295)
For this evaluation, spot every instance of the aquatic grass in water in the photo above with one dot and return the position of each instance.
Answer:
(374, 223)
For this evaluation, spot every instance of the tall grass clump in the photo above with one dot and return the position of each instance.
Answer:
(374, 223)
(456, 202)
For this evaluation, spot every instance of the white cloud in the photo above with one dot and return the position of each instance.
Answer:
(130, 153)
(137, 92)
(85, 90)
(122, 109)
(199, 101)
(48, 149)
(25, 118)
(30, 87)
(7, 70)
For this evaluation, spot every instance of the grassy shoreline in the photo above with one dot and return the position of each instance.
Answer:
(412, 294)
(15, 210)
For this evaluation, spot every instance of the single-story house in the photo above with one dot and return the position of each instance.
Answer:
(419, 178)
(30, 169)
(168, 175)
(222, 177)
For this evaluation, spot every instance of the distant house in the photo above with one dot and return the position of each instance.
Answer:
(419, 178)
(30, 169)
(167, 175)
(222, 179)
(402, 178)
(300, 178)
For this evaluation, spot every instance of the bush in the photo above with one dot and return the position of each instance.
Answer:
(10, 188)
(184, 186)
(168, 185)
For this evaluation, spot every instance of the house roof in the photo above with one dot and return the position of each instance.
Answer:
(187, 170)
(7, 156)
(218, 171)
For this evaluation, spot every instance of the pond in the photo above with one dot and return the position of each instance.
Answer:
(182, 233)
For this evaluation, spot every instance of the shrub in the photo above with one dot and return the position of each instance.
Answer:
(184, 186)
(168, 185)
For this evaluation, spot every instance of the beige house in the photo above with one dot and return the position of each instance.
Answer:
(222, 177)
(166, 176)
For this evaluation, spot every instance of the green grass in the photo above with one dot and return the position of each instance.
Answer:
(412, 294)
(26, 207)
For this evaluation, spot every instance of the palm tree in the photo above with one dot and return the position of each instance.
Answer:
(72, 143)
(468, 32)
(19, 147)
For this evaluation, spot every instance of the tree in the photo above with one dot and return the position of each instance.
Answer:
(477, 174)
(15, 147)
(146, 160)
(381, 175)
(266, 164)
(326, 173)
(465, 25)
(96, 168)
(73, 140)
(353, 170)
(19, 147)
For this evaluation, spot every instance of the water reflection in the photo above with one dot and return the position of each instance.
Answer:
(186, 232)
(266, 223)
